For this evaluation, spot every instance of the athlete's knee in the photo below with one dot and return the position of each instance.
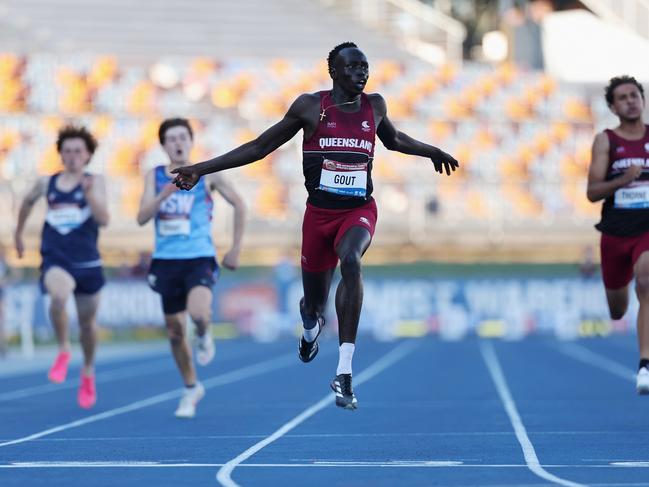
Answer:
(198, 313)
(617, 305)
(617, 312)
(642, 286)
(350, 265)
(202, 321)
(87, 324)
(175, 333)
(58, 302)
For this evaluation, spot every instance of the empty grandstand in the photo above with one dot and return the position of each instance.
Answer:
(522, 136)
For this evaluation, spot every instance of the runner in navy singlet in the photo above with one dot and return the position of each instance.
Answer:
(76, 208)
(619, 175)
(339, 129)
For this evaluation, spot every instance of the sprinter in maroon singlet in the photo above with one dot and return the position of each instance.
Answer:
(619, 175)
(339, 135)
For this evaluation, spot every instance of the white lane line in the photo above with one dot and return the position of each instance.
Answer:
(490, 358)
(331, 435)
(218, 380)
(583, 354)
(224, 474)
(417, 464)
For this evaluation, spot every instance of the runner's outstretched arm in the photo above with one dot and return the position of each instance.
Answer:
(39, 189)
(396, 140)
(267, 142)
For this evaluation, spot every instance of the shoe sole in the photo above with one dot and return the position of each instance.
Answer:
(348, 406)
(87, 406)
(204, 362)
(315, 340)
(315, 350)
(316, 347)
(186, 416)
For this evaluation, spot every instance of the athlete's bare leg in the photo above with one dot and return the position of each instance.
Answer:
(87, 305)
(179, 347)
(641, 272)
(316, 291)
(59, 284)
(349, 295)
(4, 343)
(618, 301)
(199, 306)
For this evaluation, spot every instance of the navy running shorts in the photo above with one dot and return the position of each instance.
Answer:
(87, 280)
(172, 279)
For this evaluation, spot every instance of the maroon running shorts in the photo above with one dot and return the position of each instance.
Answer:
(619, 255)
(322, 229)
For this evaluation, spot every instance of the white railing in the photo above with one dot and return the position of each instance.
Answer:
(633, 14)
(420, 29)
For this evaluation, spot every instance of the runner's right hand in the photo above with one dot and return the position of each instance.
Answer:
(186, 177)
(444, 161)
(167, 190)
(632, 173)
(20, 245)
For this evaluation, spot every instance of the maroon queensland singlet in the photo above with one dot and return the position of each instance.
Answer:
(626, 213)
(337, 158)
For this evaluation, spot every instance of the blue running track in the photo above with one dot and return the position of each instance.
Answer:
(431, 413)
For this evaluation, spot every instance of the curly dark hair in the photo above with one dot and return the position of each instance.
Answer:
(621, 80)
(173, 122)
(76, 132)
(334, 52)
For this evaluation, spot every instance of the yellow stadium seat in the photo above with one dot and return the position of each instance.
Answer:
(103, 71)
(225, 96)
(560, 131)
(447, 73)
(149, 133)
(142, 99)
(102, 126)
(547, 85)
(477, 205)
(440, 130)
(577, 110)
(50, 162)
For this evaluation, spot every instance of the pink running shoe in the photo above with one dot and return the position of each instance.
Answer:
(87, 393)
(60, 368)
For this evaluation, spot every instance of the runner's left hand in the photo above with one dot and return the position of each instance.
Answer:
(231, 259)
(86, 184)
(444, 161)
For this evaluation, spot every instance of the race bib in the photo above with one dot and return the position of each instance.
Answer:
(66, 218)
(344, 179)
(174, 226)
(174, 214)
(631, 197)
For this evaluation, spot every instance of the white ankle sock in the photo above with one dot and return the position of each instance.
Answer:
(345, 354)
(310, 334)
